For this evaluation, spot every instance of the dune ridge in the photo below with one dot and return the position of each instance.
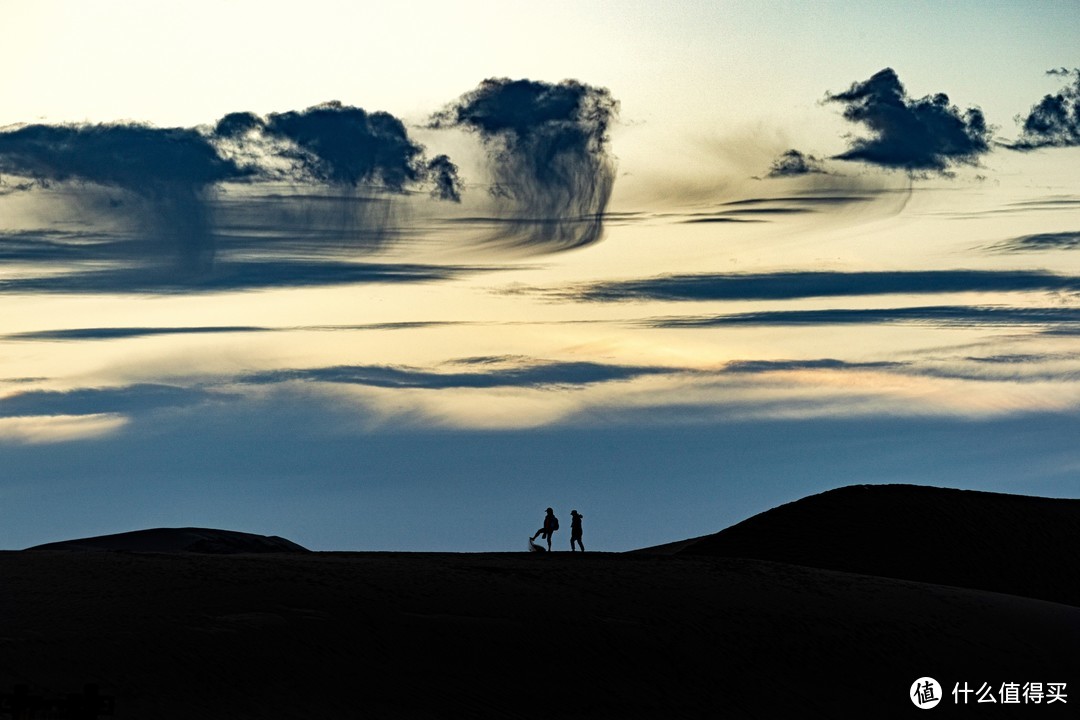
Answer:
(188, 539)
(1014, 544)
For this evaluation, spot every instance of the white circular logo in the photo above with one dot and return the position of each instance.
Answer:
(925, 693)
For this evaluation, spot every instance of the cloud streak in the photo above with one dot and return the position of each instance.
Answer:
(530, 375)
(125, 333)
(228, 276)
(936, 315)
(1066, 240)
(87, 402)
(809, 284)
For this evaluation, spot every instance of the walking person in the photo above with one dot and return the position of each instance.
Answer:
(551, 524)
(575, 530)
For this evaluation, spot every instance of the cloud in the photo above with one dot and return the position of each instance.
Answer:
(793, 285)
(165, 172)
(142, 159)
(938, 315)
(230, 276)
(86, 402)
(927, 134)
(344, 145)
(336, 144)
(793, 163)
(124, 333)
(1065, 240)
(444, 178)
(548, 155)
(528, 375)
(766, 366)
(1055, 120)
(160, 185)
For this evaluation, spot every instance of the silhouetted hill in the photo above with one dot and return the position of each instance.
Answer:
(1006, 543)
(193, 540)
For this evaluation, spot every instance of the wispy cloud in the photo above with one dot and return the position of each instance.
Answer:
(529, 375)
(808, 284)
(232, 276)
(548, 156)
(1065, 240)
(793, 163)
(938, 315)
(124, 333)
(112, 401)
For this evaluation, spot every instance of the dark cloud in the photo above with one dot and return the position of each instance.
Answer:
(91, 401)
(804, 200)
(1055, 120)
(344, 145)
(123, 333)
(1040, 241)
(793, 163)
(530, 375)
(160, 186)
(548, 155)
(141, 159)
(1012, 368)
(718, 219)
(793, 285)
(336, 144)
(766, 366)
(231, 276)
(444, 179)
(163, 172)
(237, 125)
(941, 315)
(927, 134)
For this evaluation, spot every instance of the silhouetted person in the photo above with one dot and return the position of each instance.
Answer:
(551, 524)
(575, 530)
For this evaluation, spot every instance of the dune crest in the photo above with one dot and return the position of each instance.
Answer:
(1013, 544)
(176, 540)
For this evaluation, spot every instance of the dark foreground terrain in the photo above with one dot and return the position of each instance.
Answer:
(225, 634)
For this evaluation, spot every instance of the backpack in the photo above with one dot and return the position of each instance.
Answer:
(554, 523)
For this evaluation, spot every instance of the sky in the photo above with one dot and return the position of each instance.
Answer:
(400, 278)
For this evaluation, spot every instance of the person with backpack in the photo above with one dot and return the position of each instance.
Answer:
(575, 530)
(551, 524)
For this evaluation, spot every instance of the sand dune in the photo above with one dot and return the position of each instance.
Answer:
(196, 540)
(522, 635)
(1006, 543)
